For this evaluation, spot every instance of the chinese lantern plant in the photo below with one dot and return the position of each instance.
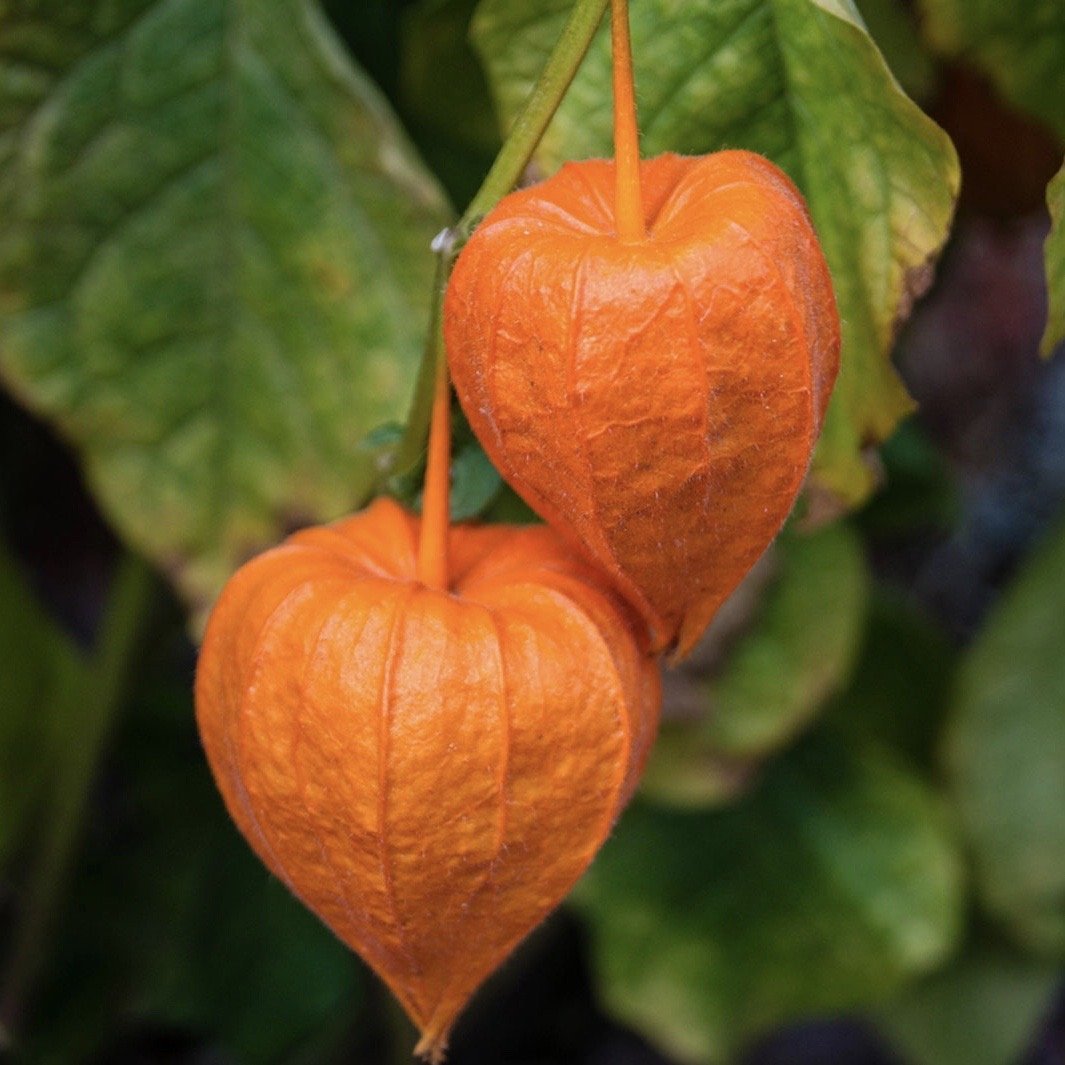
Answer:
(426, 732)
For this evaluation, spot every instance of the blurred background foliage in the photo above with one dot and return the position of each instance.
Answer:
(214, 272)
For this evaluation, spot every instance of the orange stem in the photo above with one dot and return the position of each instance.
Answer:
(628, 204)
(436, 519)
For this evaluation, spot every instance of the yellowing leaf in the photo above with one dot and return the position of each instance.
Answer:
(214, 264)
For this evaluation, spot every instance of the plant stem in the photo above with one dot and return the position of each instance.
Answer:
(436, 520)
(628, 203)
(505, 172)
(93, 698)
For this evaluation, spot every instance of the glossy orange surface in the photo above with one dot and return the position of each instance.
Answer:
(430, 771)
(656, 400)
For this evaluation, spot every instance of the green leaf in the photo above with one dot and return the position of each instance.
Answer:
(1055, 265)
(901, 686)
(825, 889)
(43, 673)
(214, 264)
(474, 482)
(1019, 45)
(980, 1010)
(801, 82)
(1005, 753)
(799, 651)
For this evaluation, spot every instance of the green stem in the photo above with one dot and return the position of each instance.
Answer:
(528, 129)
(94, 695)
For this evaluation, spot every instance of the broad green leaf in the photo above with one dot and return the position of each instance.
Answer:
(1022, 46)
(214, 264)
(801, 82)
(1006, 753)
(801, 650)
(1055, 264)
(825, 889)
(42, 674)
(798, 652)
(980, 1010)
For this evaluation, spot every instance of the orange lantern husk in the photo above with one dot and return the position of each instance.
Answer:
(645, 351)
(426, 732)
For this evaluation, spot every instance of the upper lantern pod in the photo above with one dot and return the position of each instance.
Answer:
(655, 396)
